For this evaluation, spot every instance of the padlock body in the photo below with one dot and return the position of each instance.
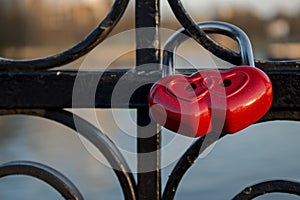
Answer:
(234, 98)
(248, 93)
(174, 105)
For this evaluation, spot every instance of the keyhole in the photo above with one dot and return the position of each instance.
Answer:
(226, 83)
(191, 87)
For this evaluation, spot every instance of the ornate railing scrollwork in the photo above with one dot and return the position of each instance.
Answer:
(85, 46)
(92, 134)
(278, 186)
(42, 172)
(284, 108)
(203, 39)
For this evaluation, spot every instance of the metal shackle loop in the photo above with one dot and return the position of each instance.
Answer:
(210, 27)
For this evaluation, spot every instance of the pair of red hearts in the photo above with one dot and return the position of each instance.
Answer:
(205, 101)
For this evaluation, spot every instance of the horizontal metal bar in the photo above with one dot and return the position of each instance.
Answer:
(54, 89)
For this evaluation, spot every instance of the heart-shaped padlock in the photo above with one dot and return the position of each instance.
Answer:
(197, 104)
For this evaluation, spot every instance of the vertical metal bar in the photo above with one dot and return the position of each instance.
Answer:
(149, 181)
(148, 58)
(147, 34)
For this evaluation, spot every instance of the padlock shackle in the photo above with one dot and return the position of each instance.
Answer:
(210, 27)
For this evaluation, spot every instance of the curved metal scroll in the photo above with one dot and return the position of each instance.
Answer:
(184, 163)
(260, 189)
(97, 138)
(42, 172)
(193, 152)
(224, 53)
(75, 52)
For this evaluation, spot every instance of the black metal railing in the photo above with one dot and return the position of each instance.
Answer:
(28, 87)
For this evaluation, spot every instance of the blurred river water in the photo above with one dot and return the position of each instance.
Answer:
(261, 152)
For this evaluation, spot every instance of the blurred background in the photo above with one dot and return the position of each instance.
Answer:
(33, 28)
(38, 28)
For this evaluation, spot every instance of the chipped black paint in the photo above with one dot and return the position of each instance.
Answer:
(26, 89)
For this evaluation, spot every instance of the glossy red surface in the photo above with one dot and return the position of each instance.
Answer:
(227, 101)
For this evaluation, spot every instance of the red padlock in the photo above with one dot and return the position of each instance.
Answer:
(197, 104)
